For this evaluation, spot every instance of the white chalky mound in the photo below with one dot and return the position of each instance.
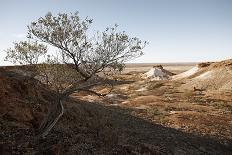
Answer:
(158, 73)
(186, 74)
(209, 76)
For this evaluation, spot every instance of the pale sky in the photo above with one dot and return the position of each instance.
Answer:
(177, 30)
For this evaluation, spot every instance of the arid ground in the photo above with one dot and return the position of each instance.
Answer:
(139, 116)
(173, 67)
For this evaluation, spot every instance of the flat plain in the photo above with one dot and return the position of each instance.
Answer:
(174, 67)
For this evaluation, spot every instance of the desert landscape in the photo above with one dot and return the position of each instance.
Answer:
(114, 77)
(184, 113)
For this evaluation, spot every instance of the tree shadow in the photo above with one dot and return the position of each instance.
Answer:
(92, 128)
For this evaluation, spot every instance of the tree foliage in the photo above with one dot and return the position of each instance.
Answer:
(25, 52)
(90, 55)
(81, 57)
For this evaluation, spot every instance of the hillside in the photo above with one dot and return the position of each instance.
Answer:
(208, 76)
(86, 127)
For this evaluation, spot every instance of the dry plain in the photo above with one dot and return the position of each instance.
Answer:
(173, 67)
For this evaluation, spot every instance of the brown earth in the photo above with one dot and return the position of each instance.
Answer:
(211, 76)
(161, 119)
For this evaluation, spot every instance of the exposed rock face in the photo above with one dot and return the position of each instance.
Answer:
(186, 74)
(208, 76)
(158, 73)
(23, 100)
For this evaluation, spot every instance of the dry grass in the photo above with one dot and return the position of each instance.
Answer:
(155, 84)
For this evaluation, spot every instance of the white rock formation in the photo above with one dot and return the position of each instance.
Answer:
(186, 74)
(158, 73)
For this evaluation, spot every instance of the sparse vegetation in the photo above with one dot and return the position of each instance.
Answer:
(78, 54)
(71, 90)
(154, 85)
(164, 112)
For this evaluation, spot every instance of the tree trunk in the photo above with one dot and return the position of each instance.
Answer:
(55, 111)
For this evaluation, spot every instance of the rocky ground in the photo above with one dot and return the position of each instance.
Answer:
(138, 117)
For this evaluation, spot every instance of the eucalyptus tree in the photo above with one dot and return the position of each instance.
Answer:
(88, 57)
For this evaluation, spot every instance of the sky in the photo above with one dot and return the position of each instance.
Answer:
(177, 30)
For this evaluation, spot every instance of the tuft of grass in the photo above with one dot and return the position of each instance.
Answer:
(155, 85)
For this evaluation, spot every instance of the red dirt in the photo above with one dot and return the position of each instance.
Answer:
(85, 128)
